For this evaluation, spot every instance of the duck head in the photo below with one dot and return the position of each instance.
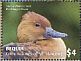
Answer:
(34, 27)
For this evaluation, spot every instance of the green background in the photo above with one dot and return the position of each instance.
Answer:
(64, 17)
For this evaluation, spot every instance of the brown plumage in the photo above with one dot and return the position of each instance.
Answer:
(32, 28)
(27, 30)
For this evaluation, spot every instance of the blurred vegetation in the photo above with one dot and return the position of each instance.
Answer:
(64, 17)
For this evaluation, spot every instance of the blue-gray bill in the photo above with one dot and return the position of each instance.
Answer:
(50, 33)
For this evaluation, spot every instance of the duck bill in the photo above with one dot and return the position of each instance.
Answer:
(50, 33)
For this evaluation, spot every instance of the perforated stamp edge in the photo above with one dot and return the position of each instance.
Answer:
(1, 44)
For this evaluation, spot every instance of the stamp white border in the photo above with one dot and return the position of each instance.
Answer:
(1, 59)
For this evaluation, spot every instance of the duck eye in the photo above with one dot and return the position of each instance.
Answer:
(37, 25)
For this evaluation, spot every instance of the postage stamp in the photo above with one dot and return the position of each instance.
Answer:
(43, 29)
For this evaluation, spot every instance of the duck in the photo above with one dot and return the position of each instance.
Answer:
(37, 29)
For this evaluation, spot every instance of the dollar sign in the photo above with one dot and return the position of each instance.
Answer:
(69, 52)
